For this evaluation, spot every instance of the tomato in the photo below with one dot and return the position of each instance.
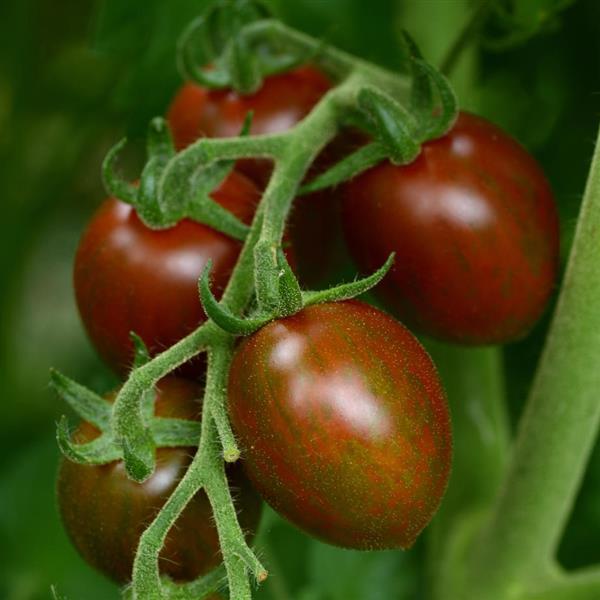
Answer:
(343, 424)
(475, 230)
(277, 106)
(105, 513)
(131, 278)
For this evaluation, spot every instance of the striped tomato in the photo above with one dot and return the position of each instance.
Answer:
(344, 424)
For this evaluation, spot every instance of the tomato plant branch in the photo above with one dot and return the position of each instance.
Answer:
(474, 382)
(331, 60)
(558, 428)
(580, 585)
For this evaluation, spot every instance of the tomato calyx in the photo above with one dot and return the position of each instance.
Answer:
(291, 298)
(191, 200)
(96, 410)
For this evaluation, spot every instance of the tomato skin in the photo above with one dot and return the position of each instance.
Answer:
(277, 106)
(475, 230)
(343, 424)
(128, 277)
(105, 513)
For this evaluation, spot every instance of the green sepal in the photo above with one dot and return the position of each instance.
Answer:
(139, 454)
(211, 583)
(393, 124)
(160, 150)
(159, 141)
(242, 66)
(114, 184)
(421, 93)
(88, 405)
(171, 433)
(266, 277)
(290, 294)
(202, 208)
(219, 314)
(346, 291)
(360, 160)
(141, 355)
(188, 63)
(438, 125)
(100, 451)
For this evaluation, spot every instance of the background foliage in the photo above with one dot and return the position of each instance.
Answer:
(74, 76)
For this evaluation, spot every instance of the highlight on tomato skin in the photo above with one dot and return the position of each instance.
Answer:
(128, 277)
(475, 230)
(343, 424)
(105, 513)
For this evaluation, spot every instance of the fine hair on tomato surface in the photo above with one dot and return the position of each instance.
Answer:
(475, 230)
(104, 512)
(343, 424)
(128, 277)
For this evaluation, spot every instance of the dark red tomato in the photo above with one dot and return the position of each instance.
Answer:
(131, 278)
(344, 424)
(277, 106)
(475, 230)
(105, 513)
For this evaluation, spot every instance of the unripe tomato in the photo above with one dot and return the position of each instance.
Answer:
(474, 227)
(131, 278)
(281, 102)
(105, 513)
(343, 424)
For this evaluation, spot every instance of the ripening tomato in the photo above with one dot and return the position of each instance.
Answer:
(343, 424)
(105, 513)
(131, 278)
(475, 230)
(277, 106)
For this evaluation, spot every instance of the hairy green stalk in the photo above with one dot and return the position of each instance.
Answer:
(556, 434)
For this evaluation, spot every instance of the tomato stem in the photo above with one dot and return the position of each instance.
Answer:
(557, 431)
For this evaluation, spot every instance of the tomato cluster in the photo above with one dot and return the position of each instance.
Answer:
(105, 513)
(339, 411)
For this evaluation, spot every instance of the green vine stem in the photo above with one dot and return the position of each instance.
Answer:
(517, 546)
(582, 585)
(474, 382)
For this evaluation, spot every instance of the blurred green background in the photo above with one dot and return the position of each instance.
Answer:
(74, 77)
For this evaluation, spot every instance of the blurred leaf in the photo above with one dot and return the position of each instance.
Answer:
(340, 574)
(517, 21)
(34, 550)
(140, 36)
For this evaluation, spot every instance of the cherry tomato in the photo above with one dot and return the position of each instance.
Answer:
(131, 278)
(277, 106)
(105, 513)
(475, 230)
(343, 423)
